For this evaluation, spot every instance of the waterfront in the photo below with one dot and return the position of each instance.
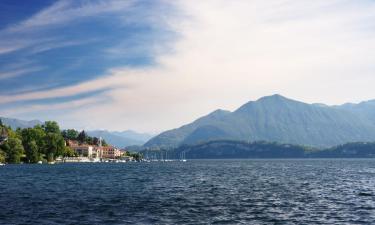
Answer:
(193, 192)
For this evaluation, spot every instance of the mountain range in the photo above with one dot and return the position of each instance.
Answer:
(278, 119)
(119, 139)
(16, 123)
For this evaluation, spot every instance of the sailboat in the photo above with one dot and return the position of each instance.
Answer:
(183, 156)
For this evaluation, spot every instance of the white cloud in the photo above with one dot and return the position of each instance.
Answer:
(64, 11)
(106, 82)
(18, 72)
(231, 52)
(55, 108)
(8, 49)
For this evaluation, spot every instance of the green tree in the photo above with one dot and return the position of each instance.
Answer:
(104, 143)
(32, 152)
(51, 127)
(70, 134)
(33, 143)
(2, 156)
(95, 141)
(12, 134)
(68, 152)
(39, 135)
(19, 132)
(82, 137)
(136, 155)
(54, 146)
(14, 150)
(89, 140)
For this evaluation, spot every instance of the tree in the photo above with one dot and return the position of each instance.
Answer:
(32, 152)
(12, 134)
(39, 136)
(95, 141)
(2, 156)
(82, 137)
(51, 127)
(70, 134)
(32, 141)
(68, 152)
(104, 143)
(54, 146)
(136, 155)
(13, 149)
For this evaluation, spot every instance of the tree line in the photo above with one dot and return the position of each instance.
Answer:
(41, 143)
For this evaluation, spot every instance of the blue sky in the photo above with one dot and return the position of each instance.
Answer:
(45, 54)
(151, 65)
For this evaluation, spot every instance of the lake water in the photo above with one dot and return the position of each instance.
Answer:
(194, 192)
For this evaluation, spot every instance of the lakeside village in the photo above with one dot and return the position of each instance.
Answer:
(48, 144)
(95, 153)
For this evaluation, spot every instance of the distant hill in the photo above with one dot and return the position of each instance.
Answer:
(16, 123)
(278, 119)
(349, 150)
(224, 149)
(121, 139)
(240, 150)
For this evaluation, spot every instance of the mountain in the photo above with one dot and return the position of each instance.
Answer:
(121, 139)
(365, 109)
(142, 137)
(278, 119)
(16, 123)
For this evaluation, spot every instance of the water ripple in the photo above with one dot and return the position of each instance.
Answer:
(196, 192)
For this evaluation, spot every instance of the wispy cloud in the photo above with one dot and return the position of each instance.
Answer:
(55, 108)
(19, 72)
(107, 82)
(5, 49)
(64, 11)
(10, 45)
(56, 44)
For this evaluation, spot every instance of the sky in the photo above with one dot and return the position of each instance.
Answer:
(153, 65)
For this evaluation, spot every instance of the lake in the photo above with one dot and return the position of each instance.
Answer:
(300, 191)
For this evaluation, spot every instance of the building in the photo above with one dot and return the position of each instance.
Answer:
(82, 150)
(109, 152)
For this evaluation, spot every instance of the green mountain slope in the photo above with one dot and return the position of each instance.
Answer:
(276, 118)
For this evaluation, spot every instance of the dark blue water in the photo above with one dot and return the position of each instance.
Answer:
(195, 192)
